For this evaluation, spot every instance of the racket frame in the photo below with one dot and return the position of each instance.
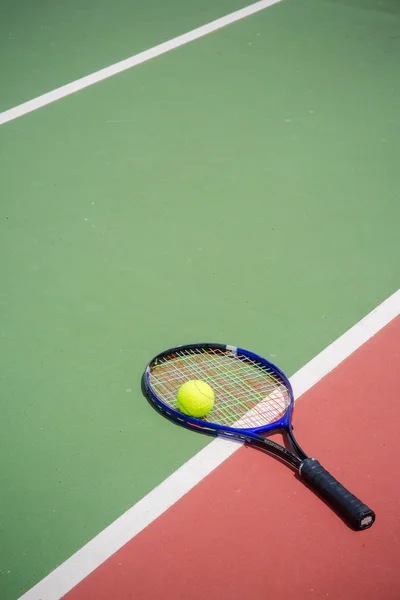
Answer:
(283, 423)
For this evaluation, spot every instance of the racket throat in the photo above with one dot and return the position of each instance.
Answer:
(295, 445)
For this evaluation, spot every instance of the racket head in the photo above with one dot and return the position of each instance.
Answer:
(252, 395)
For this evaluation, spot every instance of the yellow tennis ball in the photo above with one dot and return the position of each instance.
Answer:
(195, 398)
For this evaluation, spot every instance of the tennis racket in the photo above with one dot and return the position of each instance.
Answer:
(252, 397)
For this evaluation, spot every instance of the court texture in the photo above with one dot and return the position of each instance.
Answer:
(175, 172)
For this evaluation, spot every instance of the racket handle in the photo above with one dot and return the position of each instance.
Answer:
(348, 506)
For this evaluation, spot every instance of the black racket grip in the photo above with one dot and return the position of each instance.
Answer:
(358, 515)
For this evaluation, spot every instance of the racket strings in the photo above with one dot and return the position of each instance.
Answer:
(246, 393)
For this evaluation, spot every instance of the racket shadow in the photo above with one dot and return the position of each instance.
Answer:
(288, 446)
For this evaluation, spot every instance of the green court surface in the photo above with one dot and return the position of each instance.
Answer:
(243, 188)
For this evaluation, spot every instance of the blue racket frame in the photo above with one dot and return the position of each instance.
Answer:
(283, 423)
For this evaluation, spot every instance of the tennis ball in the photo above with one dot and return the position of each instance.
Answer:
(195, 398)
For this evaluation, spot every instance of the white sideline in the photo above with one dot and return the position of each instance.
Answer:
(144, 512)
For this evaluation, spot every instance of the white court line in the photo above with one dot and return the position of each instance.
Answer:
(144, 512)
(133, 61)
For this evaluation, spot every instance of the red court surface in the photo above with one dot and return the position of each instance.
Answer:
(252, 529)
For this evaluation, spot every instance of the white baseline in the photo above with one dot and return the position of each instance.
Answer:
(133, 61)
